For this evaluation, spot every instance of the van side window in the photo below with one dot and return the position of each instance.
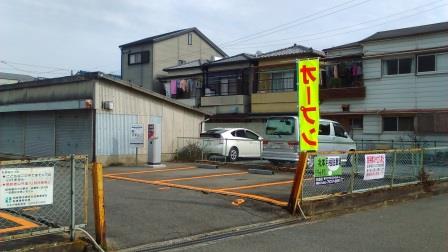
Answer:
(324, 129)
(339, 131)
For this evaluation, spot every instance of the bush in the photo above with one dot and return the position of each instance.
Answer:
(191, 152)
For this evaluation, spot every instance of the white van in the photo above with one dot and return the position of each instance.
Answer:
(281, 143)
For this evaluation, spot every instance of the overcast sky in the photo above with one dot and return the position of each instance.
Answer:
(50, 38)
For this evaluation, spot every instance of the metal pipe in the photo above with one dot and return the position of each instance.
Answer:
(72, 197)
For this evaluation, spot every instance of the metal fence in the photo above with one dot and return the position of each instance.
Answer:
(362, 144)
(41, 196)
(397, 167)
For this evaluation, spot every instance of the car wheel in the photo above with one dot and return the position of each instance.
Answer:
(233, 154)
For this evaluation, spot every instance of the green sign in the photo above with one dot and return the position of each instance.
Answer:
(327, 166)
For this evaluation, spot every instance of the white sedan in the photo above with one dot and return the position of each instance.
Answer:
(232, 142)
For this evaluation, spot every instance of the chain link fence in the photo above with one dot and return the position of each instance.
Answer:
(369, 170)
(362, 144)
(41, 196)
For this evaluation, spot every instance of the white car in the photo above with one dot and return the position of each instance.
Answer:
(282, 134)
(232, 142)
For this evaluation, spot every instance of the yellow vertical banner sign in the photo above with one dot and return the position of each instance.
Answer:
(308, 99)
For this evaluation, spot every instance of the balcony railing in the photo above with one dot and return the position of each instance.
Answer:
(225, 88)
(341, 93)
(275, 85)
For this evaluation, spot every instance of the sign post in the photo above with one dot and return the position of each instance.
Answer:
(137, 138)
(308, 112)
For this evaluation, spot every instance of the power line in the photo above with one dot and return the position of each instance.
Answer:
(302, 20)
(344, 32)
(341, 28)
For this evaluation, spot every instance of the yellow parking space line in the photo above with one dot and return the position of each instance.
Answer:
(202, 189)
(152, 171)
(23, 224)
(257, 185)
(204, 176)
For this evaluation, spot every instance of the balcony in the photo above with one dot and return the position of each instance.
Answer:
(225, 96)
(275, 92)
(342, 79)
(342, 93)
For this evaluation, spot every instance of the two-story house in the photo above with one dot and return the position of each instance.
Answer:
(143, 61)
(183, 82)
(272, 88)
(392, 85)
(227, 85)
(275, 86)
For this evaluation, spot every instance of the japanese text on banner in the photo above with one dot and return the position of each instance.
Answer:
(308, 99)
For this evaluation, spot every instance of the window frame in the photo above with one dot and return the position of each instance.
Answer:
(337, 125)
(426, 72)
(324, 124)
(189, 38)
(143, 60)
(397, 123)
(352, 125)
(384, 69)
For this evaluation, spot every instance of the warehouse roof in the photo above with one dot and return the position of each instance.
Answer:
(94, 76)
(18, 77)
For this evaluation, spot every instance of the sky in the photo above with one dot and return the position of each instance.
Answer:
(54, 38)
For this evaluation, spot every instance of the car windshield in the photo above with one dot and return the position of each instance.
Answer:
(280, 126)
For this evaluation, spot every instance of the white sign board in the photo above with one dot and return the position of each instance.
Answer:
(22, 187)
(137, 137)
(375, 166)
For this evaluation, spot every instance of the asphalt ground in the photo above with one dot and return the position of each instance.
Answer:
(146, 205)
(420, 225)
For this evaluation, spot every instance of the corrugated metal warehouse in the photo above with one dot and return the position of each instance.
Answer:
(89, 114)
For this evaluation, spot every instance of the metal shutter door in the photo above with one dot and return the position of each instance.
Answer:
(74, 133)
(39, 134)
(11, 133)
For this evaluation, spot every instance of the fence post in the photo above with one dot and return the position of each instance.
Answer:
(296, 191)
(422, 169)
(98, 204)
(352, 173)
(393, 169)
(225, 151)
(72, 197)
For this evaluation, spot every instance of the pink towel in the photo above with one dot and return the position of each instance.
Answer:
(173, 87)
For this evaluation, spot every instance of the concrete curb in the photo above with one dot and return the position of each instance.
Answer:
(337, 204)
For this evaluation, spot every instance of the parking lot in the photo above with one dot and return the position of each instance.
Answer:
(146, 205)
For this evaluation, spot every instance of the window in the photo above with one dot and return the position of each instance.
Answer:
(138, 58)
(282, 81)
(339, 131)
(190, 38)
(280, 126)
(181, 62)
(398, 123)
(397, 66)
(251, 135)
(240, 133)
(324, 129)
(426, 63)
(356, 123)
